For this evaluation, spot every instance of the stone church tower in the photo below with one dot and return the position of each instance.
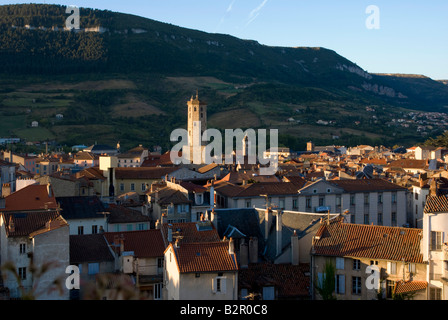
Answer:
(197, 112)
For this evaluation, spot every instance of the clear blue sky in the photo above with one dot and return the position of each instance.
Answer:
(412, 35)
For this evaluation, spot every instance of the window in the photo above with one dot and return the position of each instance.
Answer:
(391, 267)
(394, 219)
(416, 196)
(394, 197)
(121, 186)
(412, 268)
(80, 230)
(338, 201)
(356, 285)
(321, 202)
(373, 262)
(248, 203)
(339, 263)
(219, 285)
(94, 268)
(132, 186)
(141, 226)
(380, 198)
(129, 227)
(328, 190)
(294, 204)
(22, 273)
(435, 294)
(366, 198)
(380, 219)
(22, 249)
(282, 203)
(356, 264)
(308, 203)
(158, 291)
(143, 187)
(366, 218)
(339, 284)
(436, 240)
(94, 229)
(390, 287)
(352, 199)
(268, 293)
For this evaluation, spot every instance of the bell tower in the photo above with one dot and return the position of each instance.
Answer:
(197, 112)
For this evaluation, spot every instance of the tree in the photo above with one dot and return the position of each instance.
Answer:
(325, 285)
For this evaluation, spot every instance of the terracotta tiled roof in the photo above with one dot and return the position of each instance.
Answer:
(380, 161)
(121, 214)
(21, 224)
(89, 248)
(32, 197)
(204, 257)
(145, 244)
(192, 232)
(153, 173)
(270, 188)
(207, 168)
(290, 281)
(91, 173)
(368, 241)
(410, 286)
(409, 163)
(361, 185)
(436, 203)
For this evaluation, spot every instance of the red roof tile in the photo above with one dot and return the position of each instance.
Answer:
(191, 232)
(145, 244)
(23, 224)
(290, 281)
(153, 173)
(410, 286)
(204, 257)
(436, 203)
(32, 197)
(368, 241)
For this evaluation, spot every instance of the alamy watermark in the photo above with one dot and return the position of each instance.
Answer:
(73, 21)
(373, 20)
(72, 281)
(250, 147)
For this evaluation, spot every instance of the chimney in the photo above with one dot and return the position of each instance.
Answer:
(170, 234)
(295, 249)
(433, 187)
(11, 225)
(49, 190)
(158, 224)
(231, 246)
(6, 189)
(267, 223)
(177, 244)
(253, 250)
(244, 255)
(279, 232)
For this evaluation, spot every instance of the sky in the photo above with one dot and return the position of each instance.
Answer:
(396, 36)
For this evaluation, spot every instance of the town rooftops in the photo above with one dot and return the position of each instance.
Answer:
(89, 207)
(148, 173)
(32, 197)
(202, 231)
(259, 275)
(204, 257)
(30, 224)
(436, 203)
(144, 244)
(368, 241)
(365, 185)
(89, 248)
(409, 164)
